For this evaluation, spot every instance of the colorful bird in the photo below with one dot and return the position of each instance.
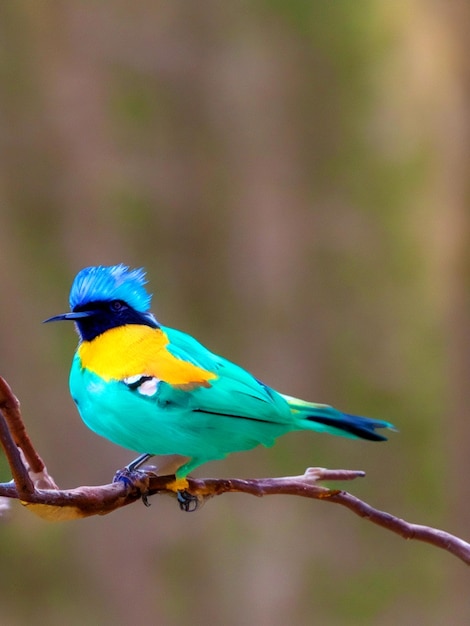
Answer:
(156, 390)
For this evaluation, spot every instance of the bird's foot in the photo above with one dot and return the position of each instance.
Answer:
(129, 477)
(134, 478)
(187, 501)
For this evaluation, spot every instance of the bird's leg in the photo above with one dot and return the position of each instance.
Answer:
(125, 474)
(128, 474)
(138, 462)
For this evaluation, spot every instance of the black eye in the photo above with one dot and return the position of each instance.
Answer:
(117, 305)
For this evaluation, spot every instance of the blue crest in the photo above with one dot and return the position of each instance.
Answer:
(105, 283)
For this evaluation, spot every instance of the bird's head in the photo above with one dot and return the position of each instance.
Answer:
(104, 297)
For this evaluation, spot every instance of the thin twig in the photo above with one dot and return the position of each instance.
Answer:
(23, 482)
(10, 407)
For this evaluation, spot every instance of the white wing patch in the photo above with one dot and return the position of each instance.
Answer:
(149, 387)
(145, 385)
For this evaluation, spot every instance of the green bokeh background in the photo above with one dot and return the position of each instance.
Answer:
(294, 177)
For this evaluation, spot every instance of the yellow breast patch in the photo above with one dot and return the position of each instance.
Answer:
(137, 349)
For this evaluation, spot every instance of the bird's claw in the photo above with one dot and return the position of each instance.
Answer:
(145, 500)
(133, 478)
(187, 501)
(127, 476)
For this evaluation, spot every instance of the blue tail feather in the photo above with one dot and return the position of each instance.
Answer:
(352, 425)
(325, 418)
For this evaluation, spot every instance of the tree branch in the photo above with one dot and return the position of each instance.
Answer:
(36, 489)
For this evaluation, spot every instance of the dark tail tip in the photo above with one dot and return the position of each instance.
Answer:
(354, 425)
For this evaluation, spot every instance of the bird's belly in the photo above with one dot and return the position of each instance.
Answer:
(115, 412)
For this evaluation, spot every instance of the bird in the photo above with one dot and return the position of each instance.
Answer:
(157, 391)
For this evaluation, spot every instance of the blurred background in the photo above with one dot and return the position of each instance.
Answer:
(294, 177)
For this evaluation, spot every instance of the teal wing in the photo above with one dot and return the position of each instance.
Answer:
(238, 394)
(236, 412)
(234, 393)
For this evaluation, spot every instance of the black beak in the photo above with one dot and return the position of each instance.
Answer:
(70, 316)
